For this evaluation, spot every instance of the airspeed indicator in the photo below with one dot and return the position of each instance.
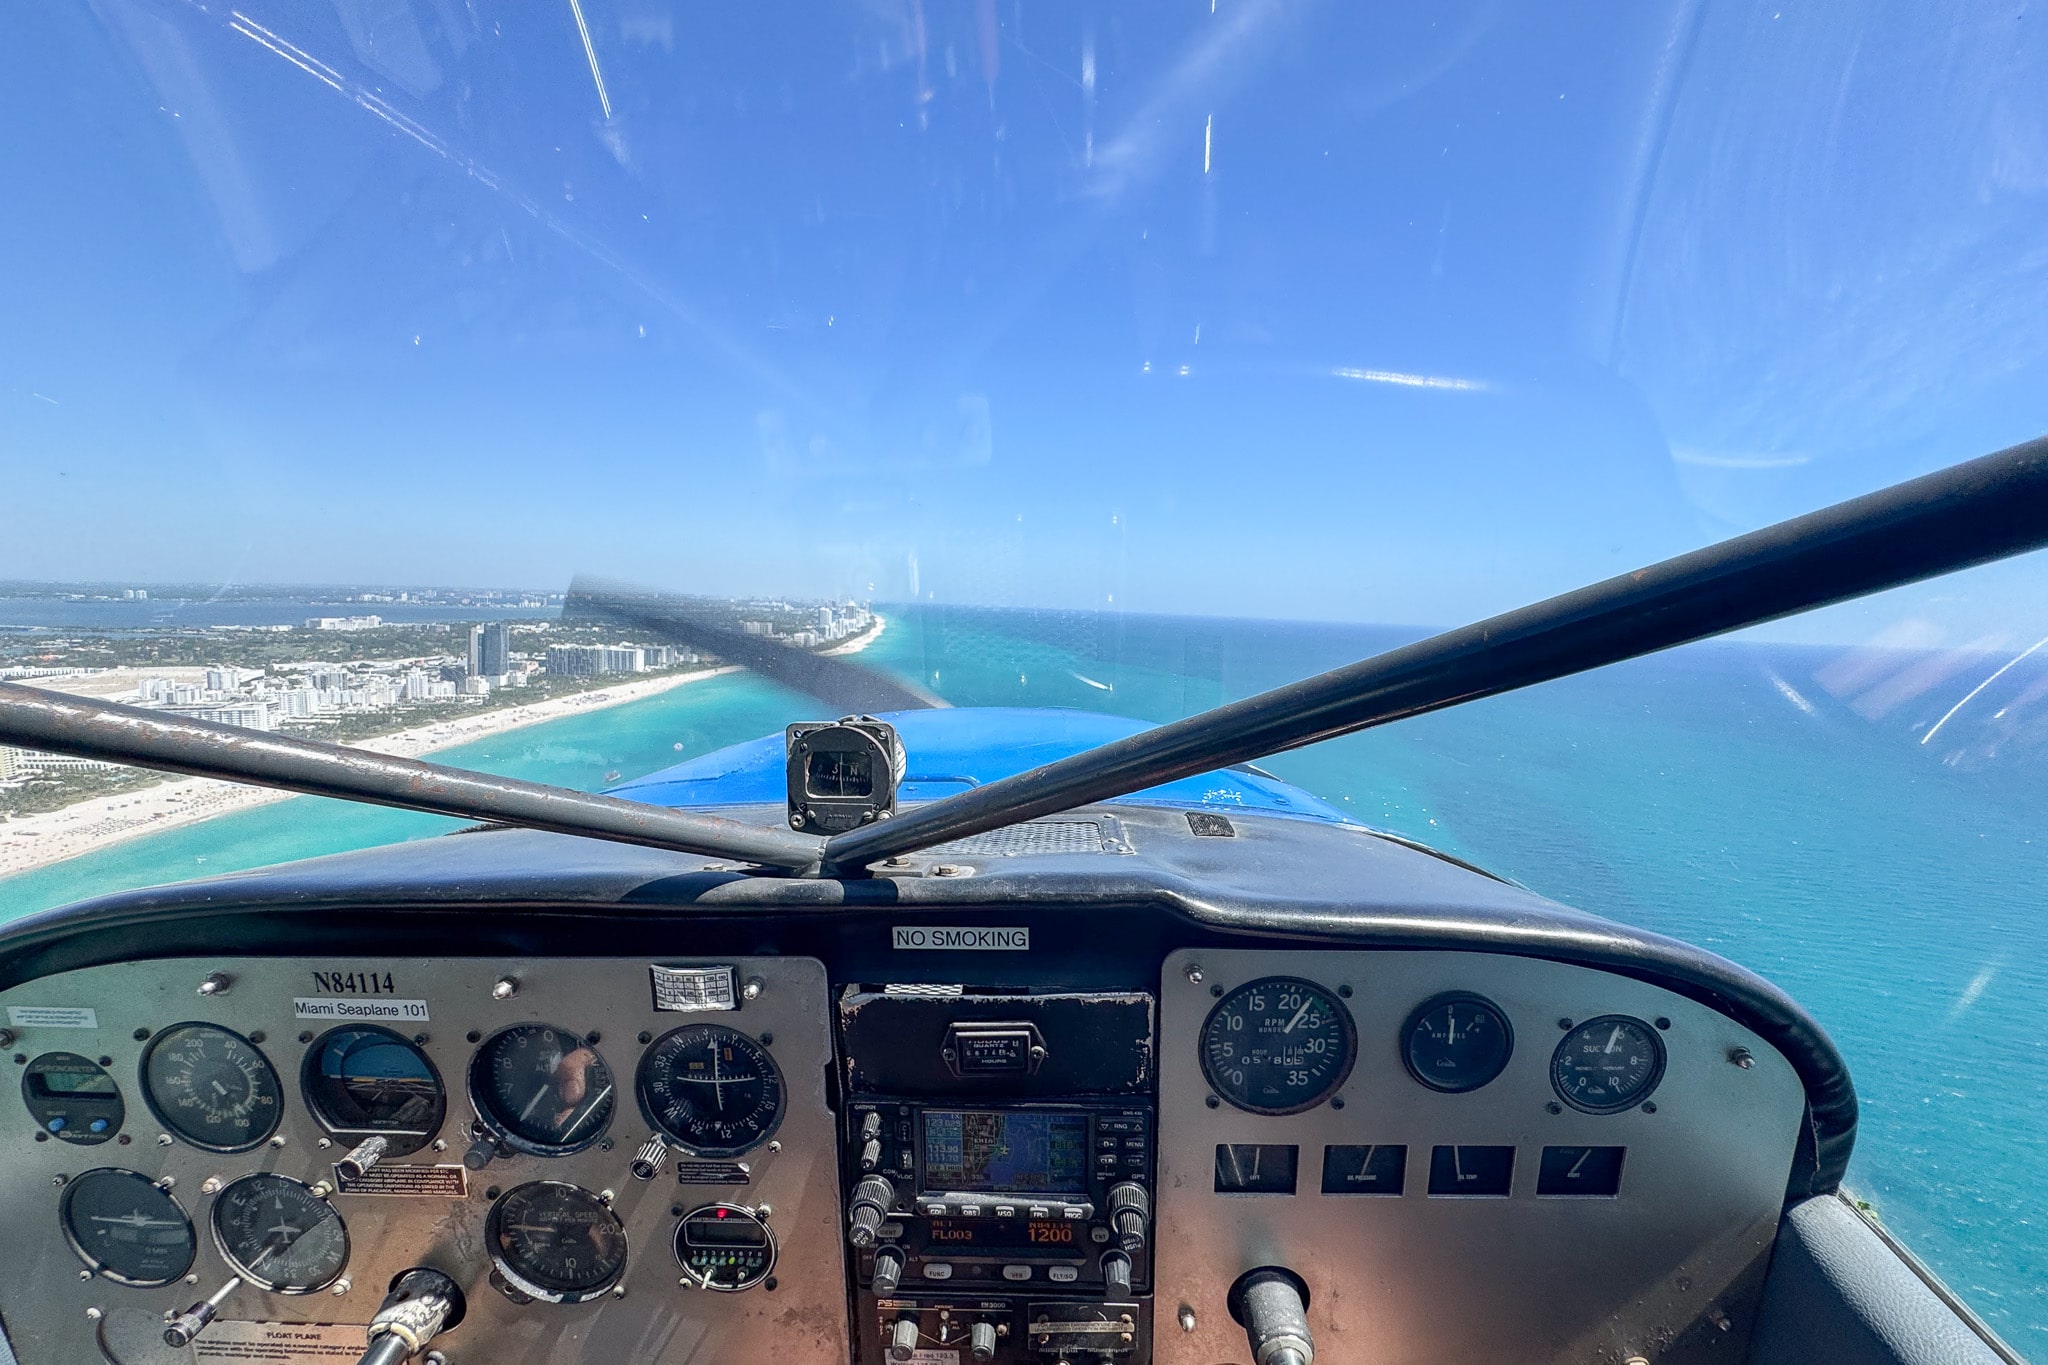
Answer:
(1278, 1045)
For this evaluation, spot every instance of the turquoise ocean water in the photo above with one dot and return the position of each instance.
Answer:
(1773, 803)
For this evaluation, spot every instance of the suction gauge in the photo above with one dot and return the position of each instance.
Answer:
(1608, 1064)
(1278, 1045)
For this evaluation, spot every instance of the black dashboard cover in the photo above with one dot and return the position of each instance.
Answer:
(1097, 921)
(1074, 1042)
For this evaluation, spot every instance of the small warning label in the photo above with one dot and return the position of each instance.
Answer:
(711, 1173)
(925, 1355)
(53, 1016)
(414, 1182)
(281, 1343)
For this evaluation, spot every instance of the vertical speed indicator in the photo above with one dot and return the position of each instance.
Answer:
(1278, 1045)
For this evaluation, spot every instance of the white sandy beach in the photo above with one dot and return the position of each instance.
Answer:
(34, 841)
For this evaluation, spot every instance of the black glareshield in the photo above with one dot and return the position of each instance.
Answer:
(842, 774)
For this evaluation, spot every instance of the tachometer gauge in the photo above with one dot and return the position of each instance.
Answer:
(555, 1242)
(279, 1235)
(542, 1089)
(123, 1226)
(1608, 1064)
(211, 1087)
(711, 1089)
(362, 1080)
(1278, 1046)
(1456, 1042)
(725, 1248)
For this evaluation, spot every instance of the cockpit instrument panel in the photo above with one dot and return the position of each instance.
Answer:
(212, 1087)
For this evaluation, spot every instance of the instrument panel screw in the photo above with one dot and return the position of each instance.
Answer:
(163, 1139)
(1194, 974)
(277, 1141)
(618, 1291)
(93, 1314)
(325, 1143)
(193, 1278)
(85, 1274)
(1187, 1318)
(1742, 1057)
(210, 1185)
(1635, 1360)
(1565, 1024)
(341, 1286)
(776, 1145)
(1649, 1106)
(752, 990)
(440, 1144)
(6, 1037)
(167, 1182)
(1336, 1101)
(141, 1034)
(434, 1358)
(306, 1035)
(504, 988)
(1553, 1108)
(1212, 1101)
(215, 983)
(1663, 1023)
(1217, 990)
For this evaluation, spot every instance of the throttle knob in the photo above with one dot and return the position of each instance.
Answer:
(981, 1341)
(903, 1339)
(888, 1271)
(1130, 1213)
(1272, 1304)
(869, 1205)
(1116, 1274)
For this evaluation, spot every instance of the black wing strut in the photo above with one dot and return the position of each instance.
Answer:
(1974, 513)
(52, 721)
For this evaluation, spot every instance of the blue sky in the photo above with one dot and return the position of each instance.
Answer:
(1328, 310)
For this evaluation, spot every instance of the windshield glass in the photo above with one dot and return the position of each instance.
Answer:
(1130, 359)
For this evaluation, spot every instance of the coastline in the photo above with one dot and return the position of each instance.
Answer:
(37, 841)
(860, 641)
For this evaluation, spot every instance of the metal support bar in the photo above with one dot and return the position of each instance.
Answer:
(1973, 513)
(56, 723)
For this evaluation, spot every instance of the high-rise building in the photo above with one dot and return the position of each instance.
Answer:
(490, 650)
(576, 661)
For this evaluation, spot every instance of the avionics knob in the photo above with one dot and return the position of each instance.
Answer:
(648, 1161)
(1272, 1304)
(903, 1339)
(981, 1341)
(870, 1204)
(888, 1271)
(1130, 1213)
(1116, 1274)
(870, 1154)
